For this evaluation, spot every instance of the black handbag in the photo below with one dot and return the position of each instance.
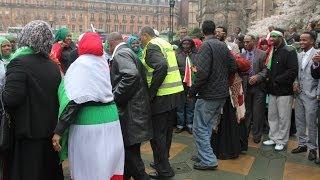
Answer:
(4, 127)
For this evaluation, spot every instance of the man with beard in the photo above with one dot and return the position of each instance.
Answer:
(222, 34)
(283, 70)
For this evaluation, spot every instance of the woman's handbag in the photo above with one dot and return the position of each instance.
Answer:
(4, 127)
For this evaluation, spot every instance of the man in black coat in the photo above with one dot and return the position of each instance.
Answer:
(315, 72)
(214, 64)
(130, 94)
(282, 74)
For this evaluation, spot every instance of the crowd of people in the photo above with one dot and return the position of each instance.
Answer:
(95, 103)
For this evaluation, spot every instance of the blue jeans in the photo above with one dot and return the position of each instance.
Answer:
(206, 114)
(185, 113)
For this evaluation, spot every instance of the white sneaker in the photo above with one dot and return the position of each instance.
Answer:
(279, 147)
(269, 142)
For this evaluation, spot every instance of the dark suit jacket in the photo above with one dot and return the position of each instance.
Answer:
(259, 69)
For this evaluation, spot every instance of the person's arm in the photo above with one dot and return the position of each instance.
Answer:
(292, 69)
(14, 92)
(125, 89)
(67, 117)
(156, 60)
(262, 75)
(204, 65)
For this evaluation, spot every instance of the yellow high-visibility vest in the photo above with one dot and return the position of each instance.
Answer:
(172, 83)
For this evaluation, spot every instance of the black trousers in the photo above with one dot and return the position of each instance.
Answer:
(161, 142)
(255, 109)
(134, 166)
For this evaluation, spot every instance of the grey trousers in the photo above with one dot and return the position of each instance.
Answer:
(255, 110)
(306, 118)
(279, 118)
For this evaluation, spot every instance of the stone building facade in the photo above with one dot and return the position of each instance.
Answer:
(126, 16)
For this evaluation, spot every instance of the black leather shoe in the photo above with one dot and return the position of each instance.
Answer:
(299, 149)
(199, 166)
(156, 175)
(153, 165)
(317, 161)
(257, 141)
(312, 155)
(179, 130)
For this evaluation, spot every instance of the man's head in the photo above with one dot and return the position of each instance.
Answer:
(208, 28)
(146, 34)
(307, 40)
(5, 47)
(221, 33)
(271, 28)
(187, 44)
(292, 29)
(183, 32)
(238, 30)
(249, 42)
(114, 39)
(276, 37)
(311, 26)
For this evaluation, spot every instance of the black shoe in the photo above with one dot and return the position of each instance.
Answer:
(156, 175)
(153, 165)
(317, 161)
(190, 130)
(257, 141)
(312, 155)
(299, 149)
(195, 158)
(179, 130)
(199, 166)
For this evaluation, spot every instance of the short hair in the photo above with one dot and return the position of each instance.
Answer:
(148, 30)
(280, 30)
(312, 35)
(223, 28)
(182, 27)
(239, 28)
(312, 25)
(253, 37)
(115, 36)
(208, 27)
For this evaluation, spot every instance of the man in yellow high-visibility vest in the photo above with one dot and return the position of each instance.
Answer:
(165, 89)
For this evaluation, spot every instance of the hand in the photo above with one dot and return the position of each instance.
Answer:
(56, 142)
(296, 88)
(253, 79)
(316, 58)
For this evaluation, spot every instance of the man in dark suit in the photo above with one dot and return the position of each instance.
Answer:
(315, 73)
(255, 87)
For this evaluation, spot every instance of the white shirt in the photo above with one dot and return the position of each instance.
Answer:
(305, 58)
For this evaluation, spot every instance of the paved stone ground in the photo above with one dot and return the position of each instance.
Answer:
(259, 163)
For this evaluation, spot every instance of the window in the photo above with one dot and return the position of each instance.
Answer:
(100, 26)
(73, 16)
(139, 19)
(131, 18)
(100, 17)
(92, 17)
(147, 19)
(73, 28)
(124, 18)
(139, 28)
(81, 16)
(116, 28)
(116, 17)
(108, 19)
(107, 28)
(80, 28)
(124, 29)
(131, 29)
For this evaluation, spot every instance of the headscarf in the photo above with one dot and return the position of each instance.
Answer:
(61, 34)
(37, 36)
(3, 40)
(138, 51)
(90, 43)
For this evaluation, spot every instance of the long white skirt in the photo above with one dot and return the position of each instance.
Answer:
(96, 152)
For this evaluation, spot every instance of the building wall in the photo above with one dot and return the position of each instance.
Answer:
(114, 15)
(193, 7)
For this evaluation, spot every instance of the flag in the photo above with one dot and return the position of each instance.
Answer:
(188, 73)
(269, 58)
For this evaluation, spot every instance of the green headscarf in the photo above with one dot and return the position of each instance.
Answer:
(61, 34)
(4, 58)
(138, 51)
